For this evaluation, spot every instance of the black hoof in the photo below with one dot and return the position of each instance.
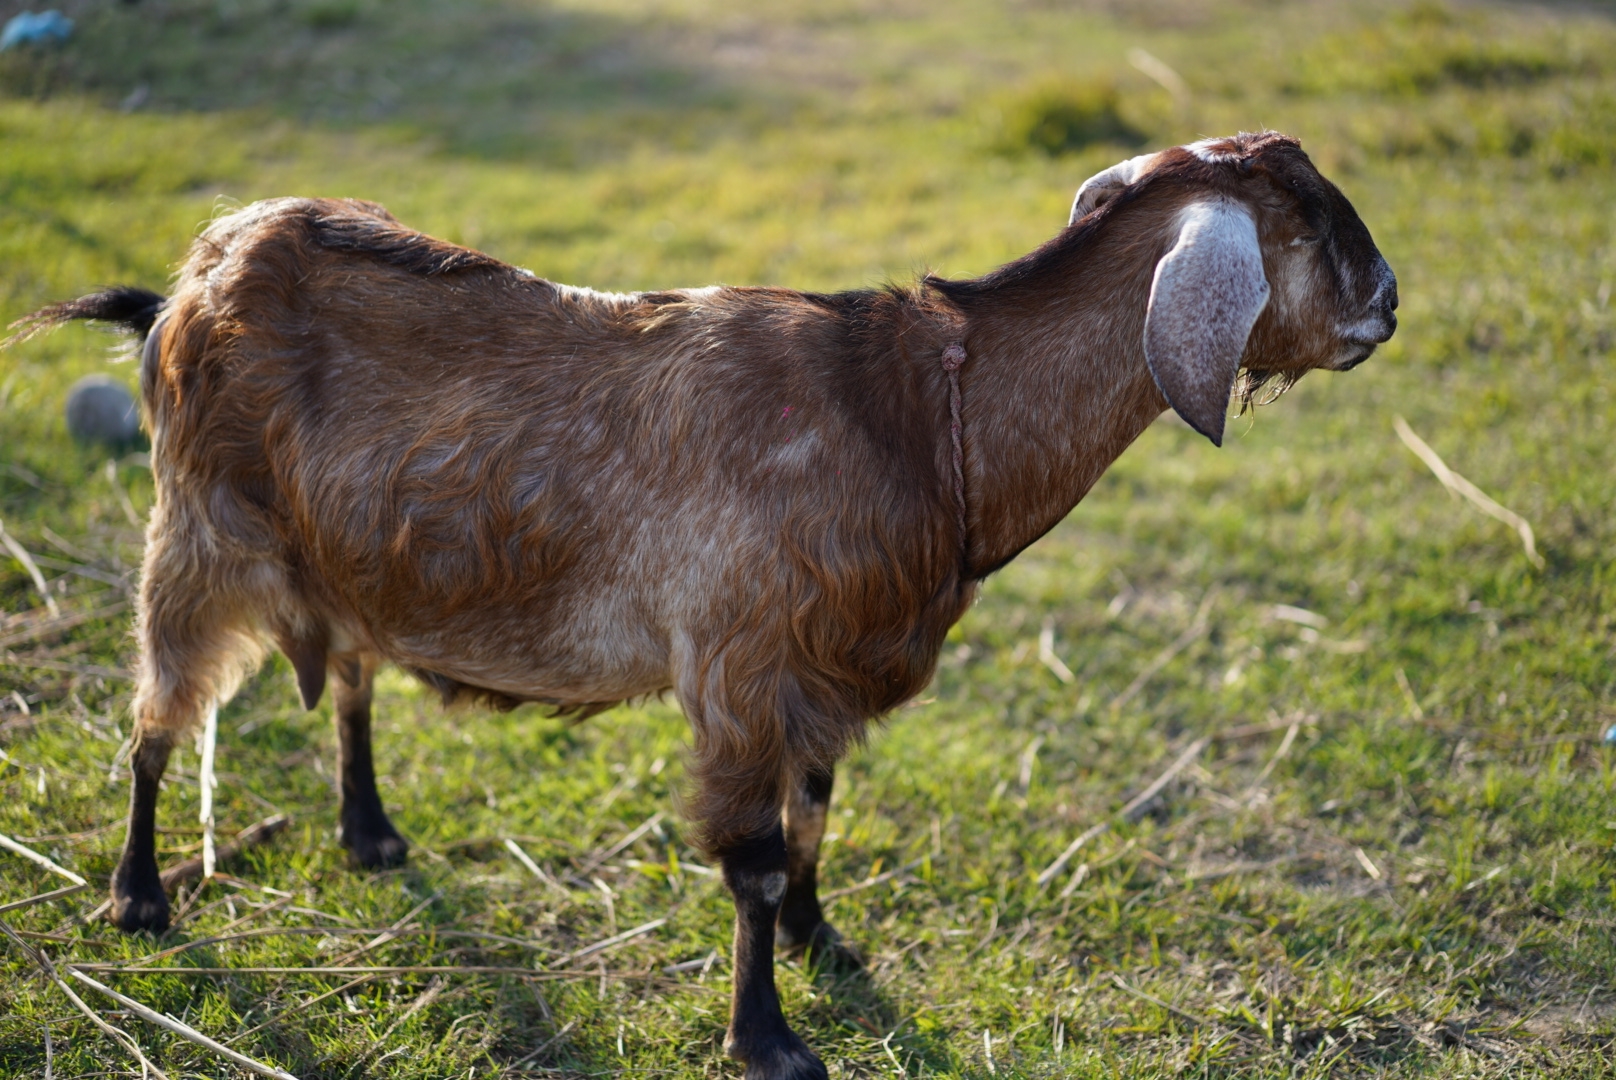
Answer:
(139, 909)
(783, 1057)
(375, 850)
(822, 946)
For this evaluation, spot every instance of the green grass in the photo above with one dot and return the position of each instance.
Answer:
(1447, 716)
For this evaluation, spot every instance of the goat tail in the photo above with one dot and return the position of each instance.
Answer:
(131, 307)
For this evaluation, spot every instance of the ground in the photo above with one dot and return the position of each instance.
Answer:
(1393, 858)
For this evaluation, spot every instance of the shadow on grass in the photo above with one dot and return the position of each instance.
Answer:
(849, 1001)
(485, 78)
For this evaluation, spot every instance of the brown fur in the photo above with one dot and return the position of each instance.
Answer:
(371, 445)
(353, 452)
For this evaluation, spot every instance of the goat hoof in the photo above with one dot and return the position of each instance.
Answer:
(139, 909)
(822, 946)
(376, 850)
(780, 1057)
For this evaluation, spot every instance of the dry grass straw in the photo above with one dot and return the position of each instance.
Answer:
(422, 1000)
(287, 1014)
(438, 973)
(1128, 988)
(388, 933)
(596, 860)
(33, 856)
(124, 502)
(1131, 812)
(33, 629)
(542, 1047)
(1197, 629)
(1046, 653)
(871, 882)
(1459, 486)
(15, 905)
(1213, 873)
(257, 833)
(42, 664)
(90, 573)
(1284, 748)
(392, 933)
(28, 564)
(184, 1031)
(1159, 72)
(256, 913)
(118, 1035)
(611, 942)
(366, 969)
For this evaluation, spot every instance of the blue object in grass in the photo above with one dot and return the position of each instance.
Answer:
(1610, 735)
(29, 29)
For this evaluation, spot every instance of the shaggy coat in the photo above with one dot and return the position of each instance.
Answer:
(370, 445)
(389, 446)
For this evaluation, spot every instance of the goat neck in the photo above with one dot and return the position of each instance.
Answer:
(1057, 386)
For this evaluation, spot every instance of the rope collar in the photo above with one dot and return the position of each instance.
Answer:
(953, 360)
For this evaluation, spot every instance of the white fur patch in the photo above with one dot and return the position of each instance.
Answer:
(792, 453)
(583, 293)
(1204, 149)
(774, 887)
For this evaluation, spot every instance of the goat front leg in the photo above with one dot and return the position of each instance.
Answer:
(138, 899)
(365, 831)
(802, 924)
(755, 871)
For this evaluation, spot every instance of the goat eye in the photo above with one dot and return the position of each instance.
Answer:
(1304, 240)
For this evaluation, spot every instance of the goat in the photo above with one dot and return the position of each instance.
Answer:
(370, 445)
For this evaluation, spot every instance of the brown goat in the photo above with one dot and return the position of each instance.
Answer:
(370, 445)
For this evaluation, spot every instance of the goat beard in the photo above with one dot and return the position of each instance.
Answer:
(1254, 388)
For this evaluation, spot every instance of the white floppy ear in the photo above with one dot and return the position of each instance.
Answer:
(1209, 290)
(1099, 188)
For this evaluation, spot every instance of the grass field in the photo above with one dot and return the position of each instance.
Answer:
(1394, 856)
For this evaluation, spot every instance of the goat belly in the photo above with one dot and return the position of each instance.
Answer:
(506, 659)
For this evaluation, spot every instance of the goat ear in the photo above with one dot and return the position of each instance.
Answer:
(1207, 294)
(1100, 188)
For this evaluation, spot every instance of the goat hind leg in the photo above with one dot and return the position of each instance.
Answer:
(189, 658)
(138, 899)
(366, 832)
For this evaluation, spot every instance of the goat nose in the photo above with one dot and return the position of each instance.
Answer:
(1387, 292)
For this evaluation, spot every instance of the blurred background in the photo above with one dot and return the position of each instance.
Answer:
(1393, 857)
